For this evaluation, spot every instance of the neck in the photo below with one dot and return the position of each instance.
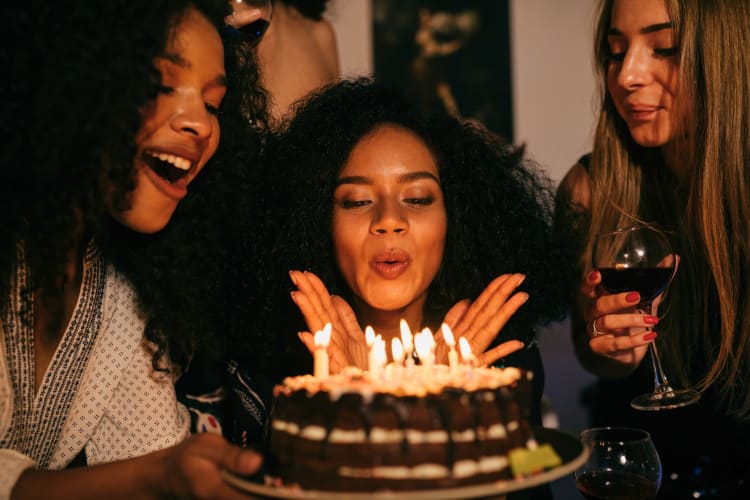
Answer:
(388, 323)
(674, 156)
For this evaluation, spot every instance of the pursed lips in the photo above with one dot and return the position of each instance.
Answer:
(390, 264)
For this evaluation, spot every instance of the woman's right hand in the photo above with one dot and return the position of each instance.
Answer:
(616, 330)
(190, 469)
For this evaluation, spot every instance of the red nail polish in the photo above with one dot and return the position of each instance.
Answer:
(650, 320)
(633, 297)
(593, 275)
(649, 336)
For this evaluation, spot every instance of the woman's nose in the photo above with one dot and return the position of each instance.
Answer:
(389, 219)
(193, 118)
(635, 69)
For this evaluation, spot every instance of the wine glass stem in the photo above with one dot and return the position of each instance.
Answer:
(661, 384)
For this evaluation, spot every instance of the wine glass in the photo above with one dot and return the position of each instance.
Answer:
(622, 463)
(251, 18)
(639, 258)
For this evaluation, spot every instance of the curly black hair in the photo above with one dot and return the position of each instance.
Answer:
(78, 77)
(498, 203)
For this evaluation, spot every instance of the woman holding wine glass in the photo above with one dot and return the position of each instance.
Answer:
(671, 148)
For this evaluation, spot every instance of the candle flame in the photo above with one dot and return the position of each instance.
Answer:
(406, 336)
(379, 351)
(423, 344)
(323, 337)
(448, 336)
(397, 350)
(465, 348)
(369, 335)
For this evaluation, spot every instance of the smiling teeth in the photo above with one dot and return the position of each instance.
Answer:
(177, 161)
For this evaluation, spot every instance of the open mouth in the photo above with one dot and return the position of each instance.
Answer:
(168, 166)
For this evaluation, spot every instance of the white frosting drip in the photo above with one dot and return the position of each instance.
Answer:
(461, 469)
(378, 435)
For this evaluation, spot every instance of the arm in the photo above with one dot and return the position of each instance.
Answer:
(188, 470)
(623, 341)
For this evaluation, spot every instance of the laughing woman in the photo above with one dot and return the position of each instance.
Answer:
(110, 111)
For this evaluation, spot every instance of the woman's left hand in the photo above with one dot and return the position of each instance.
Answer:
(480, 321)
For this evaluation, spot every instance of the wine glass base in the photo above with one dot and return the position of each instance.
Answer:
(665, 400)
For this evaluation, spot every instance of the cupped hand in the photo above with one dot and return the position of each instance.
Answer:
(480, 321)
(616, 328)
(192, 469)
(347, 346)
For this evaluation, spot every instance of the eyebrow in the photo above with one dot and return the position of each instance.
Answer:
(176, 59)
(410, 177)
(652, 28)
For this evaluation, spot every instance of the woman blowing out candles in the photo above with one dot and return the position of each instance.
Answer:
(406, 217)
(672, 147)
(110, 111)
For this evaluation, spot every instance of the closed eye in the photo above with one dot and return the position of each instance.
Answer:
(426, 201)
(349, 204)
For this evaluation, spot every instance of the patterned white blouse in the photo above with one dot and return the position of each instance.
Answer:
(99, 395)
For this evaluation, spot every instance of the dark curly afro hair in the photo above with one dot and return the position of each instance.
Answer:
(78, 75)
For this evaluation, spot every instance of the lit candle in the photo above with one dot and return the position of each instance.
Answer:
(320, 358)
(452, 354)
(378, 358)
(466, 353)
(468, 356)
(423, 344)
(397, 351)
(396, 370)
(370, 339)
(407, 340)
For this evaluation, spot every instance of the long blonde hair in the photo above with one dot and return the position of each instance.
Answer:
(709, 211)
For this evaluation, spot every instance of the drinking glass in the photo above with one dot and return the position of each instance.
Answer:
(251, 18)
(640, 258)
(622, 464)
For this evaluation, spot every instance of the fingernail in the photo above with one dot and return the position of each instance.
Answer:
(633, 297)
(593, 275)
(649, 336)
(650, 320)
(525, 297)
(520, 280)
(293, 295)
(299, 335)
(293, 278)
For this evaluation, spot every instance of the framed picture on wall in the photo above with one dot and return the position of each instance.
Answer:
(448, 55)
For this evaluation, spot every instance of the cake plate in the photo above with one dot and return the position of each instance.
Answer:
(571, 452)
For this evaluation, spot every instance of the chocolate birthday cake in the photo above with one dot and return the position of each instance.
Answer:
(410, 428)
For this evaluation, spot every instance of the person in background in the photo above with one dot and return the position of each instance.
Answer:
(297, 52)
(110, 111)
(394, 215)
(672, 147)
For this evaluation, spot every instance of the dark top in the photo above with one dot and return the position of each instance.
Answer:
(704, 453)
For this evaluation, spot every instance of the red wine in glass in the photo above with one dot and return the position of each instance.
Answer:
(649, 282)
(616, 485)
(640, 259)
(621, 463)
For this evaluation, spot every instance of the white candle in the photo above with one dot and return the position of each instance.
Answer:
(397, 351)
(451, 342)
(423, 343)
(379, 358)
(320, 358)
(370, 339)
(407, 340)
(469, 359)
